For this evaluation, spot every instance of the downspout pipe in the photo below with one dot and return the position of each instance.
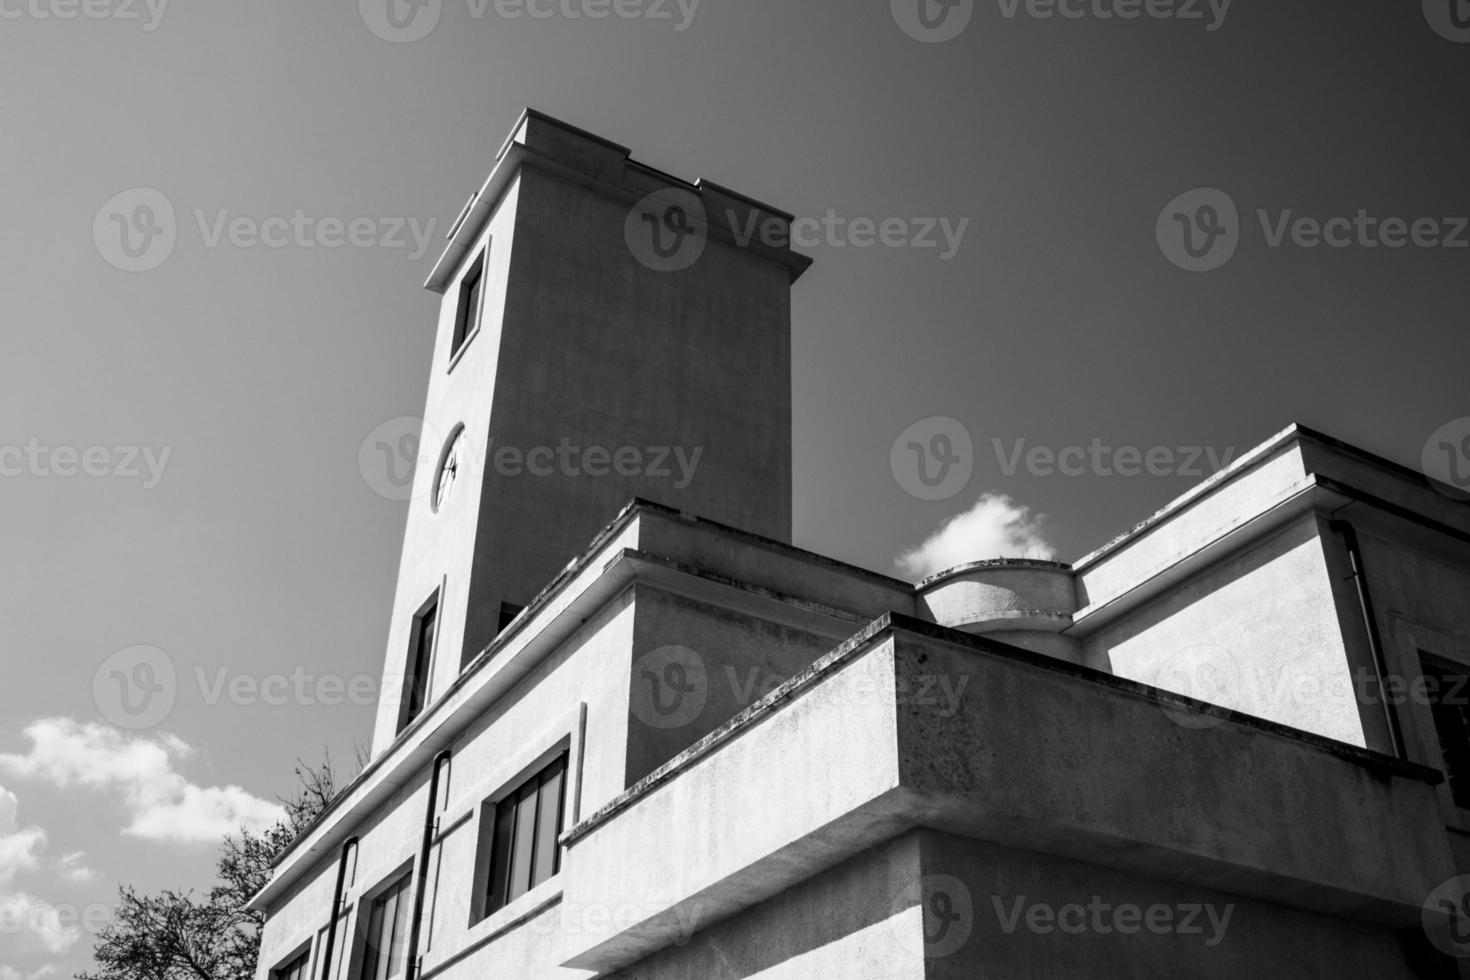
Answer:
(421, 873)
(1370, 623)
(350, 844)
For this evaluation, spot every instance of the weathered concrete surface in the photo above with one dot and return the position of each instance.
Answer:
(1032, 754)
(582, 346)
(1029, 602)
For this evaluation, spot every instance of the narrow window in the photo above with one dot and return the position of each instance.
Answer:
(467, 316)
(339, 944)
(420, 663)
(387, 933)
(294, 970)
(1448, 687)
(523, 848)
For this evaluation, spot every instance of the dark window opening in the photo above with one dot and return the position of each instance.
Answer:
(1448, 687)
(467, 317)
(523, 841)
(420, 662)
(295, 970)
(387, 933)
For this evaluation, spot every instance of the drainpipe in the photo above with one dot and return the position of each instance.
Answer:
(422, 873)
(349, 844)
(1370, 622)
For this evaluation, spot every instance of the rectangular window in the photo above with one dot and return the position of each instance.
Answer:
(387, 933)
(295, 970)
(471, 295)
(1448, 687)
(523, 848)
(339, 944)
(420, 663)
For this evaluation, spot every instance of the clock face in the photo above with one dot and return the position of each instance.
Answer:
(449, 471)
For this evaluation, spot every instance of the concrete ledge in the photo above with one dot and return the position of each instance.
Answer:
(1035, 754)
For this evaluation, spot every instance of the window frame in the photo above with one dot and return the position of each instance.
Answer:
(366, 963)
(1432, 664)
(567, 735)
(416, 681)
(301, 958)
(469, 314)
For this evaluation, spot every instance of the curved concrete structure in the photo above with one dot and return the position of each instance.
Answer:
(1022, 601)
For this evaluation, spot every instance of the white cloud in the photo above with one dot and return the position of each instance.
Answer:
(996, 527)
(11, 973)
(31, 924)
(20, 849)
(164, 805)
(73, 867)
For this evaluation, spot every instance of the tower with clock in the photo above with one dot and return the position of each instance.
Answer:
(605, 332)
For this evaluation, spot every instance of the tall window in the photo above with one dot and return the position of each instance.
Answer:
(467, 316)
(339, 945)
(387, 933)
(523, 848)
(420, 662)
(1448, 687)
(294, 970)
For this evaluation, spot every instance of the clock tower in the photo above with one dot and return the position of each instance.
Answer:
(606, 332)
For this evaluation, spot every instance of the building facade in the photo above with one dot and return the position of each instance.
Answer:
(655, 740)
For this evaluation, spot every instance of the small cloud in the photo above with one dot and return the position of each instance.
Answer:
(995, 527)
(34, 924)
(164, 805)
(20, 849)
(73, 867)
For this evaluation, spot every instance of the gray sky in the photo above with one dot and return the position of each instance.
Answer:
(1058, 318)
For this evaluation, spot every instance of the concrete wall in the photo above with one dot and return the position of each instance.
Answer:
(582, 346)
(1258, 632)
(1422, 602)
(587, 677)
(605, 352)
(438, 548)
(729, 659)
(1018, 913)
